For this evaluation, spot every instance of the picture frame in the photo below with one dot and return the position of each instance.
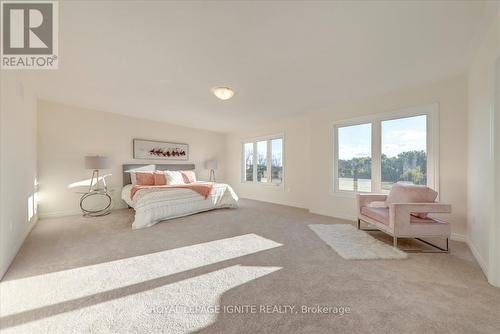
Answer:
(160, 150)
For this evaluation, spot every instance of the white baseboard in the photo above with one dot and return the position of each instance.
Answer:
(57, 214)
(478, 257)
(458, 237)
(285, 203)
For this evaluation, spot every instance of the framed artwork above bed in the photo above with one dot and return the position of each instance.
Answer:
(161, 150)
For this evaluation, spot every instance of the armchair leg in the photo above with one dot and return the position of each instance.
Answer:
(395, 243)
(439, 249)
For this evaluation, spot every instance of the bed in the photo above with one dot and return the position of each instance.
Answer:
(155, 204)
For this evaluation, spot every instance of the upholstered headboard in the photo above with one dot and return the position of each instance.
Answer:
(151, 167)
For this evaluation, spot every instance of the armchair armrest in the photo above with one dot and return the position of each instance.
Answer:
(365, 199)
(399, 213)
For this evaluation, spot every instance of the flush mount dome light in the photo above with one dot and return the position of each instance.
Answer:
(223, 93)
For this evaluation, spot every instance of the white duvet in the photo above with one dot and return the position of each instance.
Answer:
(154, 205)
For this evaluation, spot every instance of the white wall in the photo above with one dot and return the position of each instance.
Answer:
(308, 151)
(66, 134)
(483, 234)
(17, 162)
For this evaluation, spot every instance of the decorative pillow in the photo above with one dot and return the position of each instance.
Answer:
(133, 177)
(174, 178)
(189, 176)
(145, 179)
(160, 179)
(410, 193)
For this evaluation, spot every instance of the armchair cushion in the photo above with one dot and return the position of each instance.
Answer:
(379, 214)
(409, 193)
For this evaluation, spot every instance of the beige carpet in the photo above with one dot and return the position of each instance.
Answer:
(255, 269)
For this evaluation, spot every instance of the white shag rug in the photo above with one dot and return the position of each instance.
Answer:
(353, 244)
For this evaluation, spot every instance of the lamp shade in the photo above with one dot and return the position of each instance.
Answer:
(211, 164)
(97, 162)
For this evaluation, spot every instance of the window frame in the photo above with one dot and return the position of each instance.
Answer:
(432, 149)
(254, 141)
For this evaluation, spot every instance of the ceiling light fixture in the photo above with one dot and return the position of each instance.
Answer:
(223, 93)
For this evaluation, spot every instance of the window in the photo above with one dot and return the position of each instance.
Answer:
(355, 157)
(404, 151)
(370, 155)
(248, 149)
(262, 161)
(277, 160)
(268, 156)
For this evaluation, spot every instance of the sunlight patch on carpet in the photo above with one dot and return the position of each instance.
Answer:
(184, 306)
(56, 288)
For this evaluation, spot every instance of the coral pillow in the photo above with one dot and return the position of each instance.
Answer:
(145, 179)
(189, 176)
(160, 179)
(410, 193)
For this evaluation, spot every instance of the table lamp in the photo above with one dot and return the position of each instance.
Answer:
(212, 165)
(96, 163)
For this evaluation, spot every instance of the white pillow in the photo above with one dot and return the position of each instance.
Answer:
(174, 178)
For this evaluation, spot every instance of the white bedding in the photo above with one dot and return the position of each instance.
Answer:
(154, 205)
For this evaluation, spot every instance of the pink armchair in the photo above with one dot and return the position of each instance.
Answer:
(403, 214)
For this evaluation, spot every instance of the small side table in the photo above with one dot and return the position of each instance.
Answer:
(103, 210)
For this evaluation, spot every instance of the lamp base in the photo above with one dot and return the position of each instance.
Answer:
(211, 177)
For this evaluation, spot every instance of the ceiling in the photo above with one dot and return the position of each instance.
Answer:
(158, 60)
